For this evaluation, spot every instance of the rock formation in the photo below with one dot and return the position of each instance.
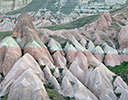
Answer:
(10, 53)
(123, 38)
(103, 22)
(32, 61)
(112, 58)
(99, 53)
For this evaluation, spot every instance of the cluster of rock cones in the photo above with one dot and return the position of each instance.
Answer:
(26, 62)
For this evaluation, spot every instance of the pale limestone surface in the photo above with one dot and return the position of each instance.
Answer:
(80, 91)
(91, 46)
(122, 88)
(78, 46)
(123, 37)
(83, 42)
(28, 86)
(51, 78)
(59, 59)
(54, 45)
(23, 64)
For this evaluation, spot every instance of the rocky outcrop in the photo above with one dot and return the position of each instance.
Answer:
(108, 49)
(59, 59)
(112, 58)
(36, 51)
(107, 15)
(99, 82)
(123, 37)
(121, 87)
(91, 59)
(43, 34)
(99, 53)
(77, 71)
(27, 37)
(77, 45)
(70, 52)
(51, 79)
(123, 57)
(81, 61)
(83, 42)
(80, 91)
(28, 83)
(54, 45)
(25, 32)
(26, 68)
(10, 53)
(103, 22)
(91, 46)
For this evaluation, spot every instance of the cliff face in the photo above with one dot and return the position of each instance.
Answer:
(108, 2)
(9, 5)
(113, 2)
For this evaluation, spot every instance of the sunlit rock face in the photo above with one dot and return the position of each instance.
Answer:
(9, 5)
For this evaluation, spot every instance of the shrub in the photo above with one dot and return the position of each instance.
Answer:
(43, 66)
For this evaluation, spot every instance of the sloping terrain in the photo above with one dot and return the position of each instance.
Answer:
(64, 6)
(11, 5)
(86, 20)
(42, 64)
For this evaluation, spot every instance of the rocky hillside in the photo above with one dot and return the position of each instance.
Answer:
(10, 5)
(56, 11)
(67, 7)
(108, 2)
(54, 6)
(62, 65)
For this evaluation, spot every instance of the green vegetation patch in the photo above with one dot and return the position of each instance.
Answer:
(69, 6)
(121, 70)
(53, 94)
(4, 97)
(42, 66)
(4, 34)
(117, 94)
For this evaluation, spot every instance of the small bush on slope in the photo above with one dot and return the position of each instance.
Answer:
(4, 98)
(4, 34)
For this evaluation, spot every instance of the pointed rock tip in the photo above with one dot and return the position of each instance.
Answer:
(24, 13)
